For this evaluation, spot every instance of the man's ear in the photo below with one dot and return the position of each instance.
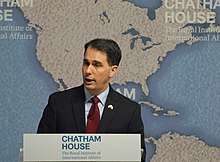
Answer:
(114, 70)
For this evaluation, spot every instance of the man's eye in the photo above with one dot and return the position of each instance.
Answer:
(85, 63)
(97, 65)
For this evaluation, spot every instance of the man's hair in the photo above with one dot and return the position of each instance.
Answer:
(108, 46)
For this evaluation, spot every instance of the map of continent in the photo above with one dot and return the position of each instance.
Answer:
(63, 27)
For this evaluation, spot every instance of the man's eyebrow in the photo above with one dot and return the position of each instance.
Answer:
(95, 62)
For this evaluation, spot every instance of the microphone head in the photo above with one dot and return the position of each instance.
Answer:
(90, 116)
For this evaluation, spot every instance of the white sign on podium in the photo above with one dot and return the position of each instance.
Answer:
(81, 147)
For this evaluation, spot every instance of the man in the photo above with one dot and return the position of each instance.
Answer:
(72, 111)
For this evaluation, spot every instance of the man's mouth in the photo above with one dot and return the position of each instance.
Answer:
(88, 80)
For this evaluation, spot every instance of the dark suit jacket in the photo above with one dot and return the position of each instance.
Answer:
(65, 113)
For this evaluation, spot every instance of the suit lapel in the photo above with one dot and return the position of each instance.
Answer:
(108, 113)
(78, 105)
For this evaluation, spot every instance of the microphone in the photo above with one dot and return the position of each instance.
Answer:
(90, 115)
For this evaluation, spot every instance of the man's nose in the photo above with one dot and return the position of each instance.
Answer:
(89, 69)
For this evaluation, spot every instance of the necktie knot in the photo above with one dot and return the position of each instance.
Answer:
(95, 100)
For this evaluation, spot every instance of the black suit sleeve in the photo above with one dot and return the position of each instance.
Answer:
(136, 126)
(48, 121)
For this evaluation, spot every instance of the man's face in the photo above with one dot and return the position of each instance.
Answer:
(96, 71)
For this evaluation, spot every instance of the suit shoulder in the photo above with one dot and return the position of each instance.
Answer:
(66, 93)
(125, 99)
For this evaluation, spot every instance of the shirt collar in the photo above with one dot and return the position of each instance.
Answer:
(102, 96)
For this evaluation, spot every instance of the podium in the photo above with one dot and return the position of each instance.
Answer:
(81, 147)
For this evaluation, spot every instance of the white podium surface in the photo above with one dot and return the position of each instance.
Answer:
(81, 147)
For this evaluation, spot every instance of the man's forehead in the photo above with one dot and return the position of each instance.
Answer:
(92, 60)
(92, 54)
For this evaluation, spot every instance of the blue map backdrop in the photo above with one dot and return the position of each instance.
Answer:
(188, 81)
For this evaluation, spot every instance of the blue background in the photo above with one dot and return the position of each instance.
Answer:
(188, 81)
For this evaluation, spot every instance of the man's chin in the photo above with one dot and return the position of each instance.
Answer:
(91, 89)
(89, 86)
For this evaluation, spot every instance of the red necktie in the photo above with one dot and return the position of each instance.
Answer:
(94, 116)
